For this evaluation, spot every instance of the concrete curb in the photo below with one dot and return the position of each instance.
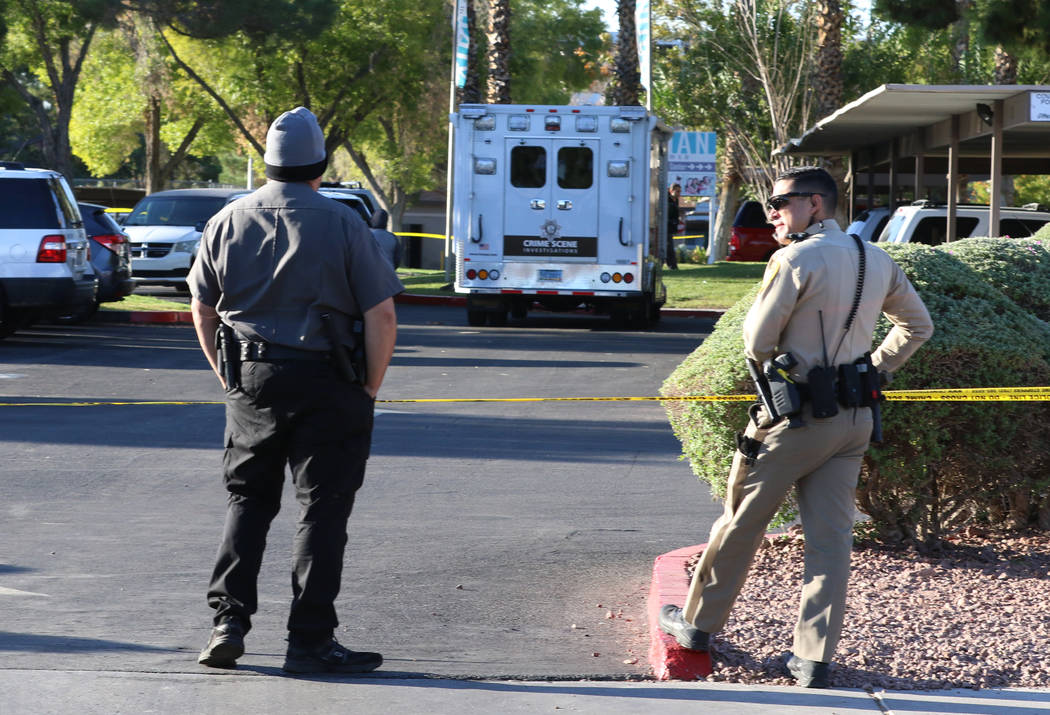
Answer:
(669, 660)
(186, 317)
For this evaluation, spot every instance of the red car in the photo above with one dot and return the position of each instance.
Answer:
(752, 236)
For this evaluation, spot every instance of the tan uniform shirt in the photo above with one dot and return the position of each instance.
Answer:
(273, 261)
(815, 280)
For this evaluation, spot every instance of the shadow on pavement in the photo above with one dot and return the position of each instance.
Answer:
(34, 643)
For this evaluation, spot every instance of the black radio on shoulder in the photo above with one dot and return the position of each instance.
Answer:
(800, 236)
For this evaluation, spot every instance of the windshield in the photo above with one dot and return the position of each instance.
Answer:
(174, 210)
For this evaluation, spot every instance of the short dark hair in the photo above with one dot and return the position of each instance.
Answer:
(815, 179)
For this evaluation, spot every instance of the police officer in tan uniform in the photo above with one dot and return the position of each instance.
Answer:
(289, 273)
(808, 307)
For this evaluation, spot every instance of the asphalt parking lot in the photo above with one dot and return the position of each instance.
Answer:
(483, 535)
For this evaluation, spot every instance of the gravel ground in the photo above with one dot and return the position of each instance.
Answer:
(975, 615)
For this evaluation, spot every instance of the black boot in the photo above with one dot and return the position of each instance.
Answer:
(808, 673)
(688, 636)
(225, 646)
(329, 657)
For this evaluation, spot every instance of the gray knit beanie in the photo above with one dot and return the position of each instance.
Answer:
(295, 147)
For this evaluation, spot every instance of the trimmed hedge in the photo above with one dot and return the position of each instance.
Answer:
(942, 464)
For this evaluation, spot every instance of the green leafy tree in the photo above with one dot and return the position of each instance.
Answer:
(365, 75)
(556, 50)
(42, 59)
(162, 113)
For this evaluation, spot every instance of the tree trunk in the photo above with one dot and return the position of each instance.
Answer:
(152, 139)
(499, 52)
(961, 35)
(827, 75)
(728, 198)
(627, 87)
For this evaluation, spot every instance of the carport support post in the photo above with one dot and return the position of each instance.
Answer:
(953, 178)
(996, 191)
(894, 175)
(920, 177)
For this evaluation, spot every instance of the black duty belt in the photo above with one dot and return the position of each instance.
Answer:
(257, 351)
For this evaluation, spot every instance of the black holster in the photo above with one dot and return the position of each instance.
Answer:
(350, 362)
(229, 356)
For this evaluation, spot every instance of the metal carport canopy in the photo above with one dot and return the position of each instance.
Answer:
(940, 126)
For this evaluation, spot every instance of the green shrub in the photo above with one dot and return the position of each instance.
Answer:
(694, 254)
(941, 463)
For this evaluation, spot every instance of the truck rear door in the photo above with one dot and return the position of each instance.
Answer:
(551, 207)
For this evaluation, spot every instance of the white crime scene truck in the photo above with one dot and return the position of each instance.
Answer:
(563, 206)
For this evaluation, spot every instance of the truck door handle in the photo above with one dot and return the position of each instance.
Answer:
(481, 232)
(538, 204)
(622, 242)
(564, 205)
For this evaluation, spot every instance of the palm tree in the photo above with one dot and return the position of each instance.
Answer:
(499, 52)
(627, 84)
(827, 72)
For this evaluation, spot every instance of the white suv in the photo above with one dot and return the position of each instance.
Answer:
(165, 232)
(44, 252)
(924, 222)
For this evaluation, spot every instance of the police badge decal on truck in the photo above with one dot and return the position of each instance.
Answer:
(561, 206)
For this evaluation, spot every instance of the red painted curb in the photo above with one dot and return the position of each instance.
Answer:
(669, 660)
(160, 316)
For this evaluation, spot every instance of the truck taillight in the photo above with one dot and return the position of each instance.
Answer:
(52, 250)
(472, 274)
(628, 278)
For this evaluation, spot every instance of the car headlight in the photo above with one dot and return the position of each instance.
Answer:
(186, 246)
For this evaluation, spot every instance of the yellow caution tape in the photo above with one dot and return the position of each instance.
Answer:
(967, 394)
(420, 235)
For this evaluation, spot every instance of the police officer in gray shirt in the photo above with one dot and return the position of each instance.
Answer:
(281, 279)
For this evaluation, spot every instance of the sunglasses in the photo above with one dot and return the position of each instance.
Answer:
(775, 203)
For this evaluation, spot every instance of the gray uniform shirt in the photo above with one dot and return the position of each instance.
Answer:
(272, 262)
(816, 279)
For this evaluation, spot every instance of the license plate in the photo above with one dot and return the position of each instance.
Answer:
(550, 275)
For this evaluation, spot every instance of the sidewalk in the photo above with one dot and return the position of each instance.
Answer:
(90, 692)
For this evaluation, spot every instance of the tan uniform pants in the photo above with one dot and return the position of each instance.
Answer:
(822, 459)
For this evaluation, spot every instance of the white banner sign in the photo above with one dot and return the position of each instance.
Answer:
(691, 162)
(461, 32)
(643, 30)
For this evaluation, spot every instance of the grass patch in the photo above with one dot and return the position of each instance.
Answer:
(144, 302)
(715, 285)
(718, 285)
(423, 281)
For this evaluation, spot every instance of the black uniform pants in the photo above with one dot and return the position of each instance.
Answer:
(299, 413)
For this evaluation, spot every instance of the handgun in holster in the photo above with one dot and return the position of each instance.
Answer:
(871, 394)
(777, 392)
(350, 362)
(229, 356)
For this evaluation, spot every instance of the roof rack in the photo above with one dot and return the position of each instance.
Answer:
(12, 165)
(928, 204)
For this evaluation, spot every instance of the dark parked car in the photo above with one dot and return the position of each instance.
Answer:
(752, 236)
(110, 253)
